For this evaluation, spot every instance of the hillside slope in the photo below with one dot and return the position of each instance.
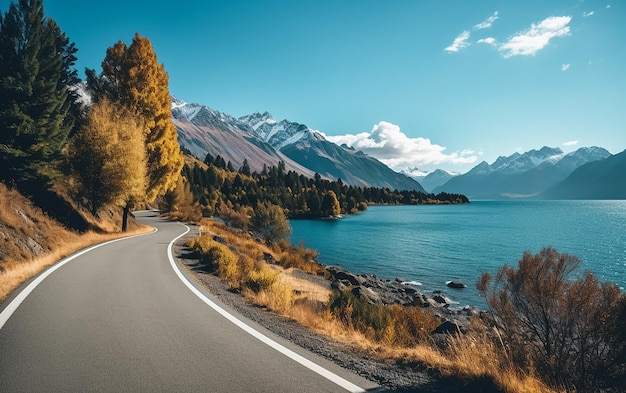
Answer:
(25, 230)
(32, 239)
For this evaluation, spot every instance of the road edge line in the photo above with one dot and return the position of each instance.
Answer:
(17, 301)
(344, 383)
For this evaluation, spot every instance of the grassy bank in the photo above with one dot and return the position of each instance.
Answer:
(13, 274)
(30, 240)
(401, 335)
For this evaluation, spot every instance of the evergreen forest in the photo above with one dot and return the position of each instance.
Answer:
(218, 187)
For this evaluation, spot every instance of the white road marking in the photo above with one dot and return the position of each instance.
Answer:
(15, 303)
(347, 385)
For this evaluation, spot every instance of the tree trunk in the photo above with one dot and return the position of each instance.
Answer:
(125, 217)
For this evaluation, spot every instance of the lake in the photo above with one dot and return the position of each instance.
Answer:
(431, 244)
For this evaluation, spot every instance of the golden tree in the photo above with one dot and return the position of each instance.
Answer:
(330, 205)
(133, 77)
(108, 158)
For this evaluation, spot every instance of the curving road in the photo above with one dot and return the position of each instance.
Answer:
(122, 318)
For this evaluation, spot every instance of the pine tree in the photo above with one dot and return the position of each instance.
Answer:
(37, 109)
(245, 168)
(108, 159)
(132, 76)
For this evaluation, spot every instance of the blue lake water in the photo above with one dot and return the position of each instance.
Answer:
(434, 244)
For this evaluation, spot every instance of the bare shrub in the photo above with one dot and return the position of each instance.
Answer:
(564, 327)
(297, 257)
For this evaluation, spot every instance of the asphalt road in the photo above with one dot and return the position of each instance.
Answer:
(120, 318)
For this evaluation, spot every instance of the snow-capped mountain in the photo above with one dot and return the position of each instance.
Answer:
(601, 179)
(430, 180)
(521, 175)
(277, 133)
(261, 139)
(202, 130)
(518, 163)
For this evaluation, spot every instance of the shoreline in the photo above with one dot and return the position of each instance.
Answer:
(390, 373)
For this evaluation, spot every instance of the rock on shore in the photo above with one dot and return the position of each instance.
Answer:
(385, 292)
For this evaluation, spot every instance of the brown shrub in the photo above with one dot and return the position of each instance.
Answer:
(565, 328)
(390, 325)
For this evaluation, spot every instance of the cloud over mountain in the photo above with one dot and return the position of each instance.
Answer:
(390, 145)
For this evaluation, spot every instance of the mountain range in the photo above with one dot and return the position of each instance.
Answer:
(262, 140)
(604, 179)
(430, 180)
(589, 172)
(522, 175)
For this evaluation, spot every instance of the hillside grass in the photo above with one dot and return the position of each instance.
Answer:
(30, 241)
(393, 334)
(13, 274)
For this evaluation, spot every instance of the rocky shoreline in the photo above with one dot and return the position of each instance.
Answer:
(381, 291)
(395, 376)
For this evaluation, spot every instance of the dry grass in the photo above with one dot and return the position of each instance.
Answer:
(14, 274)
(30, 241)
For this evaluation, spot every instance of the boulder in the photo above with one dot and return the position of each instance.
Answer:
(440, 299)
(446, 327)
(456, 284)
(366, 294)
(341, 275)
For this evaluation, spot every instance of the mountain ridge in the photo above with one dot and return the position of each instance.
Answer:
(602, 179)
(262, 140)
(521, 175)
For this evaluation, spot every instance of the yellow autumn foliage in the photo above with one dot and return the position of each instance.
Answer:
(142, 86)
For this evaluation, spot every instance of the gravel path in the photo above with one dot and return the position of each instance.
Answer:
(395, 377)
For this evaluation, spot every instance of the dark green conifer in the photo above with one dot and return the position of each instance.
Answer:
(37, 110)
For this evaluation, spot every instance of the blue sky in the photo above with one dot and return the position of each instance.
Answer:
(428, 84)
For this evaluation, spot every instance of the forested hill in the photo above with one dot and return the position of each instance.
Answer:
(219, 187)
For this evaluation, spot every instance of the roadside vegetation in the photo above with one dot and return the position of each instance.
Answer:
(505, 349)
(30, 240)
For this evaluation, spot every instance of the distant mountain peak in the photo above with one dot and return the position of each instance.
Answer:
(522, 174)
(257, 119)
(429, 180)
(279, 134)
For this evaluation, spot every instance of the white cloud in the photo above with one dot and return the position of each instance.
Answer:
(565, 67)
(487, 22)
(459, 42)
(531, 41)
(570, 143)
(587, 14)
(608, 6)
(390, 145)
(489, 41)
